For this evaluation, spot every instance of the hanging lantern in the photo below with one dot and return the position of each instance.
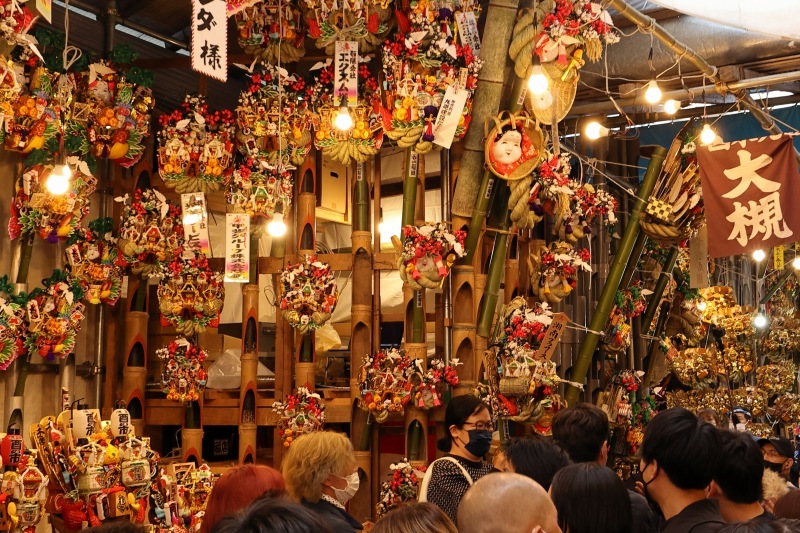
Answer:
(11, 447)
(120, 421)
(83, 422)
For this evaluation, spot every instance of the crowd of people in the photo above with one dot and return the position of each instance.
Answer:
(694, 477)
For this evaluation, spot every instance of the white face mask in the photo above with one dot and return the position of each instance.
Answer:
(344, 495)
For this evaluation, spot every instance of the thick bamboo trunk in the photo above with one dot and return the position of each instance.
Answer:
(249, 376)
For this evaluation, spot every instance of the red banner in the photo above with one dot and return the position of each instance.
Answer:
(751, 192)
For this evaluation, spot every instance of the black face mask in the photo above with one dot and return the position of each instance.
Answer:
(480, 440)
(649, 498)
(775, 467)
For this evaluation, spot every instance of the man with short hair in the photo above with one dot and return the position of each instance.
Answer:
(737, 482)
(507, 503)
(778, 455)
(582, 431)
(679, 457)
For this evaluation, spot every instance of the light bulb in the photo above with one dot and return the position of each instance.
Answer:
(701, 305)
(276, 226)
(707, 135)
(672, 106)
(796, 263)
(760, 321)
(652, 94)
(759, 255)
(537, 82)
(594, 130)
(343, 120)
(58, 181)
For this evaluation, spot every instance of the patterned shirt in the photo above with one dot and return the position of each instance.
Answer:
(448, 484)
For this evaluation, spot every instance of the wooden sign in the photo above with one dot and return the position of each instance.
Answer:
(552, 336)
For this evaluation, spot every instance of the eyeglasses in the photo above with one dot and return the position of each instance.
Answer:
(481, 426)
(771, 453)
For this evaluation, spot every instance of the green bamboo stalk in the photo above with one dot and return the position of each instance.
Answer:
(414, 440)
(366, 435)
(654, 345)
(606, 301)
(658, 290)
(306, 351)
(488, 186)
(417, 333)
(192, 416)
(253, 260)
(140, 301)
(361, 199)
(26, 249)
(780, 282)
(630, 269)
(499, 219)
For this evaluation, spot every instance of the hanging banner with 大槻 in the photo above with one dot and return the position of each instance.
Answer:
(751, 190)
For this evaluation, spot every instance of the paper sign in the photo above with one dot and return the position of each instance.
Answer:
(210, 38)
(346, 72)
(413, 165)
(195, 222)
(444, 129)
(468, 28)
(698, 260)
(777, 256)
(237, 248)
(45, 9)
(552, 336)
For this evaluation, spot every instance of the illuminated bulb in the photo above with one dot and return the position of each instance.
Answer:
(343, 121)
(707, 135)
(672, 106)
(58, 181)
(796, 263)
(537, 82)
(759, 255)
(594, 130)
(276, 226)
(701, 305)
(652, 94)
(760, 321)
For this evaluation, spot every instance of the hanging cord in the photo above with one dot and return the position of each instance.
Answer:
(71, 54)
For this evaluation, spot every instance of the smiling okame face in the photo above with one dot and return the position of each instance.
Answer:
(508, 148)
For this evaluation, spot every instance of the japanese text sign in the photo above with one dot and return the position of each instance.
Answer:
(751, 190)
(345, 81)
(450, 112)
(210, 38)
(195, 222)
(237, 249)
(468, 28)
(554, 332)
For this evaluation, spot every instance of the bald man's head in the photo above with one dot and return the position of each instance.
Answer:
(506, 503)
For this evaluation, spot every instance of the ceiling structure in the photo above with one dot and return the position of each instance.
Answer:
(623, 71)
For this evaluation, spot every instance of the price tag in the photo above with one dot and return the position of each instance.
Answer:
(468, 28)
(446, 125)
(413, 165)
(554, 332)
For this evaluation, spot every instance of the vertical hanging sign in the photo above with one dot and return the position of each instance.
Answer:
(468, 29)
(210, 38)
(237, 248)
(195, 222)
(346, 72)
(449, 116)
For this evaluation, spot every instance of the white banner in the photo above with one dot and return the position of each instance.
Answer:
(195, 222)
(444, 129)
(345, 81)
(210, 38)
(468, 28)
(237, 248)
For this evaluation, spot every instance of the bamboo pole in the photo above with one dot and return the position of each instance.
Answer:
(499, 219)
(654, 352)
(249, 376)
(606, 301)
(306, 245)
(658, 290)
(500, 17)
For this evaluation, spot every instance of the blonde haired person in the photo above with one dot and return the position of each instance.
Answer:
(321, 473)
(414, 518)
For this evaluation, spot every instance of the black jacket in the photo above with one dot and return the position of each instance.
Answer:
(338, 520)
(700, 517)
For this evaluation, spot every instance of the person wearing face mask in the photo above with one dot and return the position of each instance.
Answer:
(321, 474)
(468, 427)
(778, 455)
(679, 457)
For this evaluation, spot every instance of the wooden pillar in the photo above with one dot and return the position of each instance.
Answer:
(249, 377)
(464, 326)
(134, 373)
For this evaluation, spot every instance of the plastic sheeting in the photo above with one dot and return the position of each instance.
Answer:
(770, 17)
